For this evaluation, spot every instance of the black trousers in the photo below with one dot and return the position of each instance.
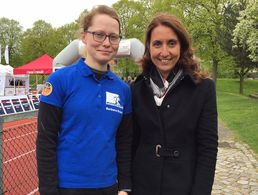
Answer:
(113, 190)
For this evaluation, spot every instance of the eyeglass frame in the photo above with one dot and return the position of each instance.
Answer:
(94, 32)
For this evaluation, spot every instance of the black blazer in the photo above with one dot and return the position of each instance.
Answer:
(175, 145)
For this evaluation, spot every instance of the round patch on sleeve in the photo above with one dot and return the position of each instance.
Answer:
(47, 90)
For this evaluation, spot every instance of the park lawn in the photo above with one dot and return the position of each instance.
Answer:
(239, 112)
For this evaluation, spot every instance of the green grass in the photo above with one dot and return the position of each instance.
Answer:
(239, 112)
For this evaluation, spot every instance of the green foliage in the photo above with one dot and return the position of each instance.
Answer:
(132, 17)
(239, 52)
(227, 68)
(239, 112)
(166, 6)
(246, 31)
(204, 21)
(35, 41)
(61, 37)
(127, 67)
(10, 34)
(240, 55)
(42, 38)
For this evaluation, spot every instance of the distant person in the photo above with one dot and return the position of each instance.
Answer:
(84, 120)
(40, 87)
(129, 80)
(175, 116)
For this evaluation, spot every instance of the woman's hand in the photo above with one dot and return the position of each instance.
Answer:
(122, 193)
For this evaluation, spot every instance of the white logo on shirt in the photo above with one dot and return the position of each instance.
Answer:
(113, 99)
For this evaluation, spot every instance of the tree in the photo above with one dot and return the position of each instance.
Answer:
(10, 34)
(65, 34)
(42, 38)
(61, 37)
(204, 21)
(242, 62)
(133, 17)
(166, 6)
(246, 31)
(36, 40)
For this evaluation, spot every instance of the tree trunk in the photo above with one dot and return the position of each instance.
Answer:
(214, 69)
(243, 71)
(241, 82)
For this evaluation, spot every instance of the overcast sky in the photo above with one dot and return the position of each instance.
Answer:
(55, 12)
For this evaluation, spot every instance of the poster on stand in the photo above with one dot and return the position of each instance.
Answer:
(34, 99)
(1, 109)
(25, 104)
(17, 105)
(8, 107)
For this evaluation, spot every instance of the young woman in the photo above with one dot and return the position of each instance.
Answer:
(175, 116)
(84, 120)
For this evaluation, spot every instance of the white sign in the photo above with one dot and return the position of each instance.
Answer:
(2, 84)
(9, 83)
(124, 48)
(6, 54)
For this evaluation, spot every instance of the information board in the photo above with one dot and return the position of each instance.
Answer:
(34, 99)
(1, 109)
(18, 104)
(25, 104)
(8, 107)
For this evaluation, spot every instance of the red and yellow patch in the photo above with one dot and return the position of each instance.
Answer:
(47, 90)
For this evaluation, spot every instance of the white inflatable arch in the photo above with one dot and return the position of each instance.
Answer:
(128, 48)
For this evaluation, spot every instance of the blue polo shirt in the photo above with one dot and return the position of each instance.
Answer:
(92, 111)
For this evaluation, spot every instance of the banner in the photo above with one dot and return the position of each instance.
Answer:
(2, 84)
(6, 55)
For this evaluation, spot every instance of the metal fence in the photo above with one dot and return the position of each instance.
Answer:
(18, 173)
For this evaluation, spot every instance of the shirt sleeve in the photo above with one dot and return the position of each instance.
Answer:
(128, 101)
(207, 144)
(123, 147)
(49, 118)
(53, 91)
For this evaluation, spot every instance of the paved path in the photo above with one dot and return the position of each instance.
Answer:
(237, 167)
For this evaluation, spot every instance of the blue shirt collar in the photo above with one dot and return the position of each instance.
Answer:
(85, 70)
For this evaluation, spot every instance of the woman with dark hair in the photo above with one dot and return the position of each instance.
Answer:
(175, 116)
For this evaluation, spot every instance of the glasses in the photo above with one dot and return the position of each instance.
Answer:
(100, 37)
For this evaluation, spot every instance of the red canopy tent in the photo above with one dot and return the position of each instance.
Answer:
(41, 65)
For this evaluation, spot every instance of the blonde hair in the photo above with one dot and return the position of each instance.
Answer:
(86, 21)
